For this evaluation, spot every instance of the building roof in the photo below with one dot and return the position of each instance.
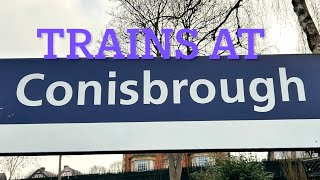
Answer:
(41, 173)
(68, 171)
(3, 176)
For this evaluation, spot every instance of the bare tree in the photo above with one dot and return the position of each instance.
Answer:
(12, 165)
(139, 14)
(300, 16)
(97, 170)
(307, 24)
(206, 16)
(309, 27)
(116, 167)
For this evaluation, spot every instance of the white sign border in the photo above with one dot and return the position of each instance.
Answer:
(157, 136)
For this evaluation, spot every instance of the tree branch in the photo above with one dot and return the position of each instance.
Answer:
(214, 31)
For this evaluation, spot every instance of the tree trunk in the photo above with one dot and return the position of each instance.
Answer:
(308, 25)
(175, 165)
(59, 169)
(269, 158)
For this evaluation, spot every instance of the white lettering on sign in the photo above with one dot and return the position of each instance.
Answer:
(21, 89)
(129, 89)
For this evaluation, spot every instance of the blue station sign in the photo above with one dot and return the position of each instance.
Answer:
(274, 87)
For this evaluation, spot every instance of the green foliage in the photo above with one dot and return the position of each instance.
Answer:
(234, 168)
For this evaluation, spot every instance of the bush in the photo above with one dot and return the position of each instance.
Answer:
(234, 168)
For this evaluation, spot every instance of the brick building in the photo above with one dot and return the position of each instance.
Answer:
(154, 161)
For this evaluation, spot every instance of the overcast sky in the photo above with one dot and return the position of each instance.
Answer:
(20, 19)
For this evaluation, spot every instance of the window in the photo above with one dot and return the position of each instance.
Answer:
(142, 165)
(201, 160)
(66, 173)
(166, 164)
(38, 175)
